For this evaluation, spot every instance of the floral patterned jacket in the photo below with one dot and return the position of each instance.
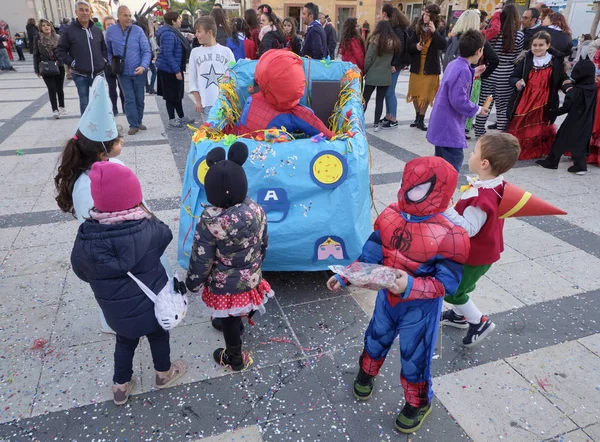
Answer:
(229, 248)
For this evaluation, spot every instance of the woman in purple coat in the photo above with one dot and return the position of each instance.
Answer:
(452, 105)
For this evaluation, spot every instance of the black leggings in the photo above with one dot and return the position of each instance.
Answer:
(381, 91)
(173, 106)
(113, 84)
(231, 332)
(54, 84)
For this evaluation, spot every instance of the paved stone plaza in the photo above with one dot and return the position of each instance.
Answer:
(536, 378)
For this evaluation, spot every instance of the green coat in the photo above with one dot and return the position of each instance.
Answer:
(378, 69)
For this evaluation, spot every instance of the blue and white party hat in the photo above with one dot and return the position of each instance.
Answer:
(98, 122)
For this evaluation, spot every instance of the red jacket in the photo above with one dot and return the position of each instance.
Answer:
(488, 244)
(354, 52)
(493, 28)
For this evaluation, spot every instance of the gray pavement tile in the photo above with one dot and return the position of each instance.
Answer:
(523, 330)
(558, 372)
(572, 436)
(321, 425)
(284, 390)
(582, 239)
(40, 259)
(328, 324)
(30, 292)
(386, 178)
(493, 401)
(336, 371)
(78, 323)
(593, 432)
(264, 338)
(180, 413)
(517, 277)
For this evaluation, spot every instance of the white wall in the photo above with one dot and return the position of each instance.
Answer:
(15, 13)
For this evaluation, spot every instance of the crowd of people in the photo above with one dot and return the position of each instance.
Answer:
(517, 64)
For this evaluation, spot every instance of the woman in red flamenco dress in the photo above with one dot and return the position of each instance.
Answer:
(594, 156)
(539, 75)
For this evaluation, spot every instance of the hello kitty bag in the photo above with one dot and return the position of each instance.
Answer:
(171, 303)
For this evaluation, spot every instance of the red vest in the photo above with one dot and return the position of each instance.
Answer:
(488, 244)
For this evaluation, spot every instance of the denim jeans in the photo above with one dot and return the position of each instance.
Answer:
(83, 84)
(134, 88)
(125, 349)
(454, 155)
(152, 77)
(4, 61)
(391, 102)
(206, 112)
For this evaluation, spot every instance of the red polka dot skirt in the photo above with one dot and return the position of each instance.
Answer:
(238, 304)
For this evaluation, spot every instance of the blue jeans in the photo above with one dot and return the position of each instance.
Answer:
(152, 77)
(453, 155)
(134, 88)
(83, 84)
(391, 102)
(4, 60)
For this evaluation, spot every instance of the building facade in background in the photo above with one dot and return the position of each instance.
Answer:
(338, 11)
(17, 12)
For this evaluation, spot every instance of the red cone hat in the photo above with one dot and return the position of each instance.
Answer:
(517, 202)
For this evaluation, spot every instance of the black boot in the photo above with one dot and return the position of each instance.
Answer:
(217, 323)
(232, 357)
(416, 122)
(421, 123)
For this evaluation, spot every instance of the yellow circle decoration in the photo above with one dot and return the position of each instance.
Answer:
(200, 169)
(329, 169)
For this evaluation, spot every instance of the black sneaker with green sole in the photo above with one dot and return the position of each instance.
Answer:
(411, 418)
(363, 386)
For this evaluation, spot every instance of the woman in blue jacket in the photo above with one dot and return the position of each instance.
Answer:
(174, 51)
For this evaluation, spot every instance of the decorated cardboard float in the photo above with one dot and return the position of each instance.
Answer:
(314, 190)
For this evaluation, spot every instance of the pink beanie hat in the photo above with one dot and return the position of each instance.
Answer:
(114, 187)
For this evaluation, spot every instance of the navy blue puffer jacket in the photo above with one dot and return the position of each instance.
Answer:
(102, 256)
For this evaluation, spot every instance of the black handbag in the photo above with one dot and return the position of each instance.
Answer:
(49, 68)
(118, 61)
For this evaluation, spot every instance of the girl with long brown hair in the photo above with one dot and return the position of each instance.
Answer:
(382, 46)
(399, 23)
(272, 35)
(223, 28)
(507, 45)
(293, 42)
(425, 68)
(352, 45)
(252, 33)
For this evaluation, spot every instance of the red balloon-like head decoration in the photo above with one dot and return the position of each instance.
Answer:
(280, 76)
(428, 184)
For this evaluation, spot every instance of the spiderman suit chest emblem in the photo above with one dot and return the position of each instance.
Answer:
(408, 245)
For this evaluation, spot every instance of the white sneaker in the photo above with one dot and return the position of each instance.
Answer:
(62, 111)
(56, 114)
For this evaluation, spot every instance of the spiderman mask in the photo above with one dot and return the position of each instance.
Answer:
(428, 184)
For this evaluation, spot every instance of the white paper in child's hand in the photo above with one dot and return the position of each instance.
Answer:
(369, 276)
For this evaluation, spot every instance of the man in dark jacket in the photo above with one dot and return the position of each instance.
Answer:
(82, 49)
(531, 25)
(329, 33)
(315, 41)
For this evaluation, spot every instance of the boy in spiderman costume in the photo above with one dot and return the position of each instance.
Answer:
(430, 251)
